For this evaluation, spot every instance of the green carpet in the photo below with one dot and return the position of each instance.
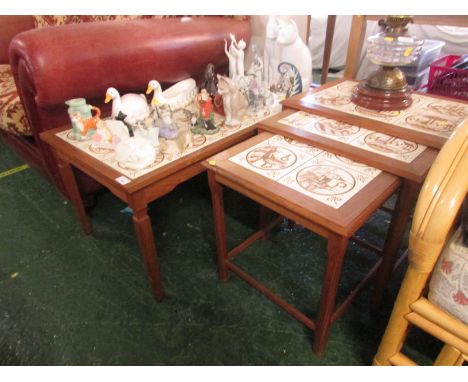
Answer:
(71, 299)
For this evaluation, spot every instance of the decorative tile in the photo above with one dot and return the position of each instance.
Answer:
(331, 182)
(198, 142)
(389, 146)
(426, 114)
(274, 157)
(382, 144)
(321, 175)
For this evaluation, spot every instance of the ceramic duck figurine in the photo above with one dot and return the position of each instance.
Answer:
(177, 96)
(134, 106)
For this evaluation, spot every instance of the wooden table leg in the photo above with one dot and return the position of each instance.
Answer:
(219, 225)
(331, 21)
(401, 216)
(144, 233)
(336, 250)
(69, 181)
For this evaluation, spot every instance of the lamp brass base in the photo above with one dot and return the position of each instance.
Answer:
(375, 99)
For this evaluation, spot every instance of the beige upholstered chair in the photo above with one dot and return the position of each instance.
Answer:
(436, 211)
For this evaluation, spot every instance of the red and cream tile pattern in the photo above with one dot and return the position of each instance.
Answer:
(318, 174)
(428, 114)
(107, 155)
(386, 145)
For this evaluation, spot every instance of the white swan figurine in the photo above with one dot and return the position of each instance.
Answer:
(134, 106)
(177, 96)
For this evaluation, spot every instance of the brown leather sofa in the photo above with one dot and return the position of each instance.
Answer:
(53, 64)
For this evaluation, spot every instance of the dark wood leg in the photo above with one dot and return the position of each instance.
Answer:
(336, 251)
(219, 225)
(144, 233)
(69, 181)
(263, 219)
(401, 215)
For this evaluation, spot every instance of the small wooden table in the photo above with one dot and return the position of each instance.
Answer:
(429, 121)
(140, 191)
(411, 173)
(335, 224)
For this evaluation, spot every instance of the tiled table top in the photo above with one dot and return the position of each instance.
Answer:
(427, 114)
(107, 155)
(316, 173)
(380, 143)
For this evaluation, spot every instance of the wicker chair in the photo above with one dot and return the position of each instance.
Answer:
(436, 211)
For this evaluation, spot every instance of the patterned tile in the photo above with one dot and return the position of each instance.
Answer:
(198, 142)
(382, 144)
(320, 175)
(427, 114)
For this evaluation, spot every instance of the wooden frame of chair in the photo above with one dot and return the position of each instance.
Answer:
(439, 202)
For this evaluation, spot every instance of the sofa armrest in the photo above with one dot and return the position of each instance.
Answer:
(9, 27)
(52, 65)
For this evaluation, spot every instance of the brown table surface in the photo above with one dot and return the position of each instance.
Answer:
(299, 102)
(139, 192)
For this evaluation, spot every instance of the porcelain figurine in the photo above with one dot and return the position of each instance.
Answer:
(204, 124)
(237, 49)
(134, 106)
(149, 130)
(291, 81)
(117, 129)
(210, 82)
(234, 101)
(135, 153)
(284, 44)
(78, 111)
(168, 129)
(85, 128)
(103, 136)
(177, 96)
(256, 67)
(232, 60)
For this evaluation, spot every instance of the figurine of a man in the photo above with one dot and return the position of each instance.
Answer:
(206, 109)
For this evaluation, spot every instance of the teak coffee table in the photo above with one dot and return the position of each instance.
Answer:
(138, 191)
(282, 177)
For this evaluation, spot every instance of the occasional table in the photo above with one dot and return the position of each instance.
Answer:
(404, 143)
(329, 195)
(138, 188)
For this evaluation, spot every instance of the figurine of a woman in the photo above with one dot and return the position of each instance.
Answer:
(232, 60)
(238, 49)
(256, 67)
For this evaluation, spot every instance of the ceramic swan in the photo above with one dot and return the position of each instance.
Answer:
(134, 106)
(177, 96)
